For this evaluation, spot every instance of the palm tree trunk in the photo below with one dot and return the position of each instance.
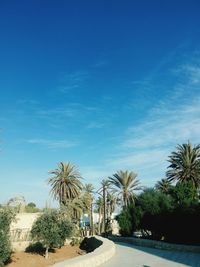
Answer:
(104, 210)
(91, 217)
(99, 223)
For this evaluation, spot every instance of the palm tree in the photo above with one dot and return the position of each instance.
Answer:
(111, 204)
(103, 191)
(65, 183)
(125, 183)
(100, 205)
(163, 185)
(185, 164)
(88, 201)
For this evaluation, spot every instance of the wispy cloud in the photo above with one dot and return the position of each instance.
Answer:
(72, 113)
(167, 126)
(72, 81)
(52, 144)
(95, 125)
(101, 63)
(57, 112)
(25, 101)
(94, 174)
(173, 120)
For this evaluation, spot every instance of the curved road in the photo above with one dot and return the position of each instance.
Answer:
(131, 256)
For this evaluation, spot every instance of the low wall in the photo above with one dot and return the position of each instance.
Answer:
(100, 255)
(156, 244)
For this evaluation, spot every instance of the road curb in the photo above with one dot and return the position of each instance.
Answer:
(100, 255)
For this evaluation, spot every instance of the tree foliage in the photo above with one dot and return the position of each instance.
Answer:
(154, 202)
(125, 184)
(6, 217)
(184, 195)
(154, 205)
(173, 217)
(163, 185)
(185, 164)
(17, 203)
(65, 182)
(129, 220)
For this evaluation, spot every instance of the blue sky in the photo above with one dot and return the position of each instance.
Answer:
(107, 85)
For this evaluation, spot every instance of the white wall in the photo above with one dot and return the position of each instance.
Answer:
(24, 220)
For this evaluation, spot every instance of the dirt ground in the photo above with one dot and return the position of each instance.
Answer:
(27, 259)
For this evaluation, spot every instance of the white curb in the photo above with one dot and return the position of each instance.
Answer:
(100, 255)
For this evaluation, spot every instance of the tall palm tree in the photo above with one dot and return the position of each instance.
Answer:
(111, 204)
(65, 183)
(125, 183)
(103, 191)
(185, 164)
(163, 185)
(88, 191)
(99, 206)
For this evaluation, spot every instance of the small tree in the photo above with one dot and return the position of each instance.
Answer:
(51, 229)
(125, 222)
(129, 219)
(155, 206)
(18, 203)
(31, 208)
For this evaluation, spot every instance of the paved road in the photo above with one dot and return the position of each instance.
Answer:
(132, 256)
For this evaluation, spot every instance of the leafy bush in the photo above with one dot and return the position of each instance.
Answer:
(184, 195)
(51, 229)
(129, 220)
(6, 216)
(182, 223)
(125, 222)
(154, 206)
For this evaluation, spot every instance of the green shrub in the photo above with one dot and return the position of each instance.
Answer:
(155, 207)
(181, 225)
(128, 220)
(125, 224)
(6, 216)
